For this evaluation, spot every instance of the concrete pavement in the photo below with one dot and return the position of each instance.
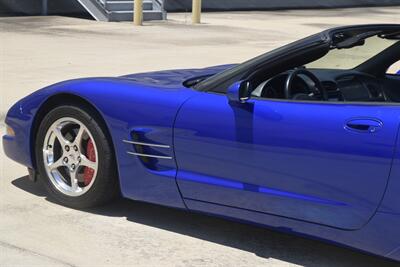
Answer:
(38, 51)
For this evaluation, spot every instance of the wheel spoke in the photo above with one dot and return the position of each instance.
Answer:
(88, 163)
(57, 164)
(60, 137)
(78, 137)
(74, 180)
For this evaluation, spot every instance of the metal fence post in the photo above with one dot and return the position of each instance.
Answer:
(138, 12)
(196, 11)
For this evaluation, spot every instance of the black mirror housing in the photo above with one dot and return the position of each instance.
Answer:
(239, 92)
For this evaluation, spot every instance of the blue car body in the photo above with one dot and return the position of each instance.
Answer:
(292, 166)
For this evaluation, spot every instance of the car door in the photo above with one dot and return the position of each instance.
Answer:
(326, 163)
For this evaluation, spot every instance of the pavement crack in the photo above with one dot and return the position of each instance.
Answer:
(24, 250)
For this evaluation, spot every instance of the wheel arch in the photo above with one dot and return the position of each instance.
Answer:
(67, 99)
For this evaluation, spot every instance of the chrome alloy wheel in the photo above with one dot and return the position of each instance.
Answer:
(70, 156)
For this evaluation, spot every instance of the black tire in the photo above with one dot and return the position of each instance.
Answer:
(105, 186)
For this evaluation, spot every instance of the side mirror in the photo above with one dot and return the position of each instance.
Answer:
(239, 92)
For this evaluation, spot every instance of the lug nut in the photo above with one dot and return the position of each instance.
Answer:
(73, 166)
(65, 160)
(75, 148)
(67, 148)
(79, 159)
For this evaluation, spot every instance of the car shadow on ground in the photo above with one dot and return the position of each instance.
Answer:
(262, 242)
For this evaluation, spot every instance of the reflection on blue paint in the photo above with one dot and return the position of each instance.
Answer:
(166, 173)
(199, 178)
(298, 196)
(194, 177)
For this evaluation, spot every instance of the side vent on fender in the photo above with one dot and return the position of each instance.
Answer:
(148, 152)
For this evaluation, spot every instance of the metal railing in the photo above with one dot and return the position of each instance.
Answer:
(103, 3)
(157, 3)
(160, 5)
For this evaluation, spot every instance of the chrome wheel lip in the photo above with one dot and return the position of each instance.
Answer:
(70, 151)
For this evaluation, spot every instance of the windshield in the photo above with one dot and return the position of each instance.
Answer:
(346, 59)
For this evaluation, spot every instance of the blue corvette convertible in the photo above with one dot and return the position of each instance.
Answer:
(303, 139)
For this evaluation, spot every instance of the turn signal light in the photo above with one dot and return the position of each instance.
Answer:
(10, 131)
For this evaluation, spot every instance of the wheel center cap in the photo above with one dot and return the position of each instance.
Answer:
(73, 157)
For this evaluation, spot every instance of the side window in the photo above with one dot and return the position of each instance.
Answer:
(394, 69)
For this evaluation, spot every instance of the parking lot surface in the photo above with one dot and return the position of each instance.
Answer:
(38, 51)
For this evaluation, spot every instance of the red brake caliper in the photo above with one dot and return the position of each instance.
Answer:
(91, 155)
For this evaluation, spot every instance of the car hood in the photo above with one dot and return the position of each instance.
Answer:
(173, 78)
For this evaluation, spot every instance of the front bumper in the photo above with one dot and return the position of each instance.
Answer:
(18, 146)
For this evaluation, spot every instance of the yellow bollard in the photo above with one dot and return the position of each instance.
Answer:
(196, 11)
(138, 12)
